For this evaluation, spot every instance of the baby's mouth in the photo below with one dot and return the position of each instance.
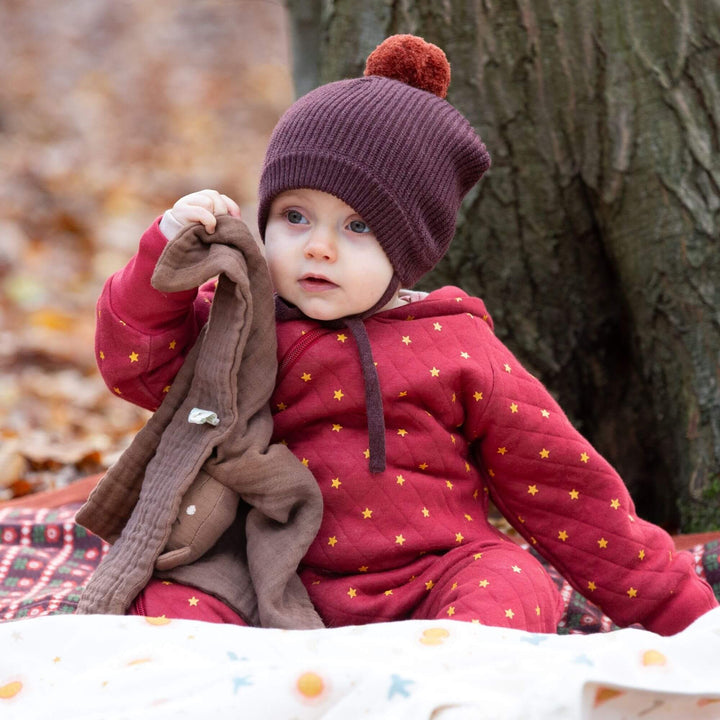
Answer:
(316, 283)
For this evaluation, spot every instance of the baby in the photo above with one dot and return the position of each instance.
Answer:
(406, 408)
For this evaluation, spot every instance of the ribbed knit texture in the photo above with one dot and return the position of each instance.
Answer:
(401, 157)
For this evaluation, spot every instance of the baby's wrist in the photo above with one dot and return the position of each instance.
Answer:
(170, 226)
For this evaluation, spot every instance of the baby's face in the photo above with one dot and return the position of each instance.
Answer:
(323, 257)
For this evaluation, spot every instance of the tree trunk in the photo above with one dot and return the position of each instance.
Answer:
(594, 237)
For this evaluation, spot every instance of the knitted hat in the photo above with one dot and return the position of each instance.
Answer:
(387, 144)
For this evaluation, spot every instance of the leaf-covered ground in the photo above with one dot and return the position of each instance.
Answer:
(109, 111)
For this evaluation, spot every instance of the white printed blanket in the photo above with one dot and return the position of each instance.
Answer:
(134, 668)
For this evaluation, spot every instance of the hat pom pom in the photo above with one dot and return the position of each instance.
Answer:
(411, 60)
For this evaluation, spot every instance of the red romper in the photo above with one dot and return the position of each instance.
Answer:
(464, 423)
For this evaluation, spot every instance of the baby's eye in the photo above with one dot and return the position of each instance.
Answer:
(358, 226)
(295, 217)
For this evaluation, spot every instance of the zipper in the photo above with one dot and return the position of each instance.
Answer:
(298, 348)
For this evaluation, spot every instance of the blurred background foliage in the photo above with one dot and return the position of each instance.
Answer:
(109, 111)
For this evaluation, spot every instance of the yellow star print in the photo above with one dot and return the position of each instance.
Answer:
(402, 433)
(545, 413)
(429, 585)
(513, 407)
(449, 484)
(632, 592)
(562, 535)
(133, 356)
(102, 355)
(388, 592)
(434, 371)
(193, 601)
(483, 583)
(399, 539)
(367, 513)
(516, 569)
(641, 555)
(338, 394)
(502, 450)
(336, 427)
(544, 453)
(615, 503)
(451, 611)
(336, 483)
(508, 369)
(406, 339)
(423, 466)
(459, 537)
(509, 613)
(399, 479)
(592, 586)
(281, 406)
(332, 541)
(172, 345)
(574, 494)
(464, 356)
(478, 396)
(437, 326)
(342, 337)
(306, 377)
(533, 490)
(425, 512)
(603, 543)
(352, 592)
(584, 457)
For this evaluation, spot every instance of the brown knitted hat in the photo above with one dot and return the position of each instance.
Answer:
(389, 146)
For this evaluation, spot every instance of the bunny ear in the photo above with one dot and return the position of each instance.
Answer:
(411, 60)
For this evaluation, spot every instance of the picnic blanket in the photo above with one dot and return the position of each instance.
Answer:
(104, 667)
(109, 667)
(46, 559)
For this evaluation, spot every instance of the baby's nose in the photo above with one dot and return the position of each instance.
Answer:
(321, 245)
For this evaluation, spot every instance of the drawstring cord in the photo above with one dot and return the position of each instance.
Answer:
(373, 395)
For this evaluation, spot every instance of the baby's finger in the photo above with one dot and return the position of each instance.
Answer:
(187, 214)
(232, 207)
(217, 203)
(197, 198)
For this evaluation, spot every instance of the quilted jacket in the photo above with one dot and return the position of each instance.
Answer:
(465, 423)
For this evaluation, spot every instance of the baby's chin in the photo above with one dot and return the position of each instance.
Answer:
(321, 314)
(325, 313)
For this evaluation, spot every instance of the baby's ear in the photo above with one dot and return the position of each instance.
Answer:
(207, 510)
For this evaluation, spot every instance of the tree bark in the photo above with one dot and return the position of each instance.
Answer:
(594, 237)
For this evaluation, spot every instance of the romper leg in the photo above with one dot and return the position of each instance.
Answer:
(162, 598)
(497, 584)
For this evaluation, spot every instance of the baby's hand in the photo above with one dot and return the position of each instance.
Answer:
(198, 207)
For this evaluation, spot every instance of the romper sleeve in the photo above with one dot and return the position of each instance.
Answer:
(142, 335)
(571, 506)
